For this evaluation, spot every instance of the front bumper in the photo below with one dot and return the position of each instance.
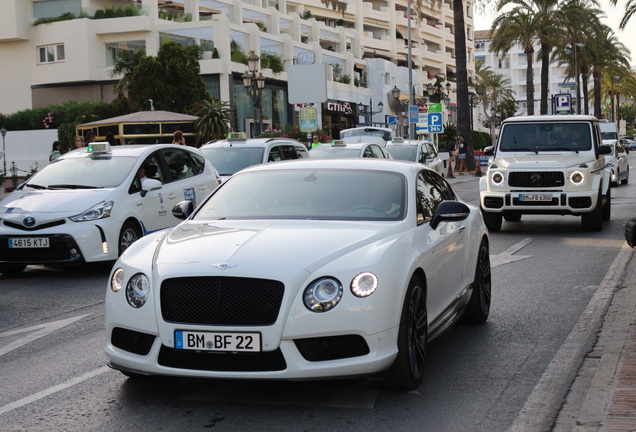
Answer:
(574, 203)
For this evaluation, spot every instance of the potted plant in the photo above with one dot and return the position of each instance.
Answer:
(207, 47)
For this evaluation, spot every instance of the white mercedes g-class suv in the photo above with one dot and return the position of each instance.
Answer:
(549, 164)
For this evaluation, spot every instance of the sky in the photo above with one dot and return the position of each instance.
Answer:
(614, 14)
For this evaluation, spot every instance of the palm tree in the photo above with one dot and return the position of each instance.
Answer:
(125, 66)
(215, 120)
(463, 107)
(630, 9)
(517, 26)
(609, 52)
(496, 93)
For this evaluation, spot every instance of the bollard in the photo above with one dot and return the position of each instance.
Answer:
(450, 168)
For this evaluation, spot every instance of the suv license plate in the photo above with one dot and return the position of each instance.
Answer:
(535, 197)
(31, 242)
(217, 341)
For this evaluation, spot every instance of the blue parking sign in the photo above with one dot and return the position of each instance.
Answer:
(435, 122)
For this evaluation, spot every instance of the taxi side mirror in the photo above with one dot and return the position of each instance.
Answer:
(183, 210)
(148, 185)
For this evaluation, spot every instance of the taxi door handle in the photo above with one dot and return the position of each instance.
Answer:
(462, 229)
(172, 196)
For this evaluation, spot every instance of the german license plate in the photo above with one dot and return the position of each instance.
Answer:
(217, 341)
(28, 242)
(535, 197)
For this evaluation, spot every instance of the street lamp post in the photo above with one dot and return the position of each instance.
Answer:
(436, 93)
(403, 105)
(363, 109)
(3, 131)
(473, 101)
(254, 84)
(575, 48)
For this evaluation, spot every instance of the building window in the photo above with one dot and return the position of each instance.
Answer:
(114, 50)
(51, 53)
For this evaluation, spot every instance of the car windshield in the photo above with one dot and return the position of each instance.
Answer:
(326, 194)
(542, 137)
(406, 153)
(327, 151)
(609, 135)
(97, 171)
(230, 160)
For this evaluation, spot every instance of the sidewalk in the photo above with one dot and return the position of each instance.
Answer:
(603, 395)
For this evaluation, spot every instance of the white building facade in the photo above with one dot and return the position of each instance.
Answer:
(364, 42)
(513, 65)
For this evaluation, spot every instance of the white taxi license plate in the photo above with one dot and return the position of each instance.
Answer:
(535, 197)
(30, 242)
(217, 341)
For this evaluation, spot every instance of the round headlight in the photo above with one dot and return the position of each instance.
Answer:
(137, 290)
(364, 284)
(322, 294)
(117, 281)
(577, 177)
(497, 178)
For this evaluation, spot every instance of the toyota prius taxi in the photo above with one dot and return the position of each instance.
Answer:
(92, 203)
(302, 269)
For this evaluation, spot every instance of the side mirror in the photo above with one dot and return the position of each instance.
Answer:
(448, 211)
(148, 185)
(605, 149)
(489, 151)
(183, 210)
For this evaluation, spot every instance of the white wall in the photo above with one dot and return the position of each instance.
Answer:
(26, 148)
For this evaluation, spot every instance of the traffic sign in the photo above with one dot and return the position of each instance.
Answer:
(413, 113)
(435, 107)
(563, 103)
(391, 120)
(435, 122)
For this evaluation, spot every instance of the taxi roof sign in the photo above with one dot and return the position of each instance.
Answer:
(397, 139)
(98, 147)
(338, 143)
(237, 136)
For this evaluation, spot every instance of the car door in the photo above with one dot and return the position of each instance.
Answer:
(150, 206)
(442, 250)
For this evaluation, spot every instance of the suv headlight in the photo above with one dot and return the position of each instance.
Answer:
(577, 177)
(98, 211)
(497, 178)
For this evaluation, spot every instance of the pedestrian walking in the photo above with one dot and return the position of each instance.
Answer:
(461, 153)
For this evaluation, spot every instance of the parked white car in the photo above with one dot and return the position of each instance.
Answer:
(617, 162)
(90, 204)
(422, 151)
(231, 155)
(302, 270)
(350, 148)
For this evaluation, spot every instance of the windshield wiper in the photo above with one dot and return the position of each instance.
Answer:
(564, 149)
(35, 186)
(73, 186)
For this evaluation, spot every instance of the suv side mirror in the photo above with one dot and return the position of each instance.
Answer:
(489, 151)
(605, 149)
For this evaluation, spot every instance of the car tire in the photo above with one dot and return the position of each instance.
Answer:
(593, 221)
(607, 206)
(12, 269)
(478, 307)
(512, 217)
(493, 221)
(129, 234)
(407, 369)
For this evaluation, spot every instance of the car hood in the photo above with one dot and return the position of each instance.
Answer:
(292, 245)
(52, 201)
(542, 161)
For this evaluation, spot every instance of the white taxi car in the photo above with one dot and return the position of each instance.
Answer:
(617, 162)
(422, 151)
(92, 203)
(367, 148)
(314, 268)
(237, 152)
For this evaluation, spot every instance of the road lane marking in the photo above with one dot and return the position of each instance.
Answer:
(507, 256)
(52, 390)
(38, 331)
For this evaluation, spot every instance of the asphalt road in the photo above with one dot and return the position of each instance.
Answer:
(546, 271)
